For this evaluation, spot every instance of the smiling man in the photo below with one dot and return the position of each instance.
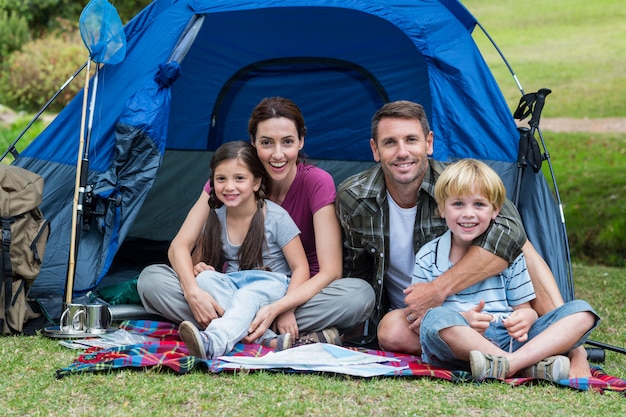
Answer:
(388, 213)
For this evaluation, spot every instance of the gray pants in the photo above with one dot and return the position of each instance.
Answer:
(344, 303)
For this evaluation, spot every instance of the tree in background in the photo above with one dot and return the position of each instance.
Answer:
(40, 47)
(42, 15)
(13, 33)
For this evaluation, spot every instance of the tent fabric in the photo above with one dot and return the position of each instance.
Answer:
(338, 60)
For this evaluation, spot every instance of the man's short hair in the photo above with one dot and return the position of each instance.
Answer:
(402, 109)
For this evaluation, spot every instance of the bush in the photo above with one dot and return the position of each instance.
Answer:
(31, 76)
(13, 33)
(41, 15)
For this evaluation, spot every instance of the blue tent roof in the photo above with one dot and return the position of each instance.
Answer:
(339, 60)
(371, 51)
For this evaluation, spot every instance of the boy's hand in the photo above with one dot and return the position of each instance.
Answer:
(519, 322)
(477, 320)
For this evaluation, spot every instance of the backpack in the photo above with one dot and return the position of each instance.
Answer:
(24, 237)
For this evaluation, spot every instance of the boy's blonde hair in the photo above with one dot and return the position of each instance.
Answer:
(459, 178)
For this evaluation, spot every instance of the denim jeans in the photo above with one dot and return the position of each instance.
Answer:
(344, 303)
(436, 352)
(241, 294)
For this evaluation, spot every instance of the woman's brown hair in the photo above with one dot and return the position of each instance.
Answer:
(276, 107)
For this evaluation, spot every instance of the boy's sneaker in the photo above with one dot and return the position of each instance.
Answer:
(484, 365)
(330, 335)
(552, 368)
(196, 341)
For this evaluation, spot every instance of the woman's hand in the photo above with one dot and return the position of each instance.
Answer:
(203, 306)
(477, 320)
(201, 267)
(262, 321)
(286, 323)
(519, 322)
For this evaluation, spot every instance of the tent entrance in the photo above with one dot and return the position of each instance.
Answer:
(316, 81)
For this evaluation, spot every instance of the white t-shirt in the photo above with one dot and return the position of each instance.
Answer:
(401, 256)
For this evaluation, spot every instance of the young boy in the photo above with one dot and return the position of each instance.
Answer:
(490, 326)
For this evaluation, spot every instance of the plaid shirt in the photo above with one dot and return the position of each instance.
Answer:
(363, 212)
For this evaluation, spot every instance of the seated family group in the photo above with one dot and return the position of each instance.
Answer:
(273, 253)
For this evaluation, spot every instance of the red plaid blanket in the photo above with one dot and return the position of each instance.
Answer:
(170, 353)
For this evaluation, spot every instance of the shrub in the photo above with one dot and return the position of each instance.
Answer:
(31, 76)
(41, 15)
(13, 33)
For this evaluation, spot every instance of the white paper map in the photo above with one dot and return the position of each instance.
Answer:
(322, 357)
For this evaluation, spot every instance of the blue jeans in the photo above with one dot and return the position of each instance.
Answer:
(344, 303)
(437, 352)
(241, 294)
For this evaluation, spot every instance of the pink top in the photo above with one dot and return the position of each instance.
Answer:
(312, 189)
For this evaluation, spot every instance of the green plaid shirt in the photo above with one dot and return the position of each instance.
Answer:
(363, 212)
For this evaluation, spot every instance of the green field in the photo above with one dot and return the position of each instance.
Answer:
(575, 48)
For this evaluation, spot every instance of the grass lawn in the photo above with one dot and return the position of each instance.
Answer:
(29, 387)
(590, 171)
(575, 48)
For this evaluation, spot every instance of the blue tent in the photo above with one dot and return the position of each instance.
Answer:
(339, 60)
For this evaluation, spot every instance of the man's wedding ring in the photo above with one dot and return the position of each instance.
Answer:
(410, 319)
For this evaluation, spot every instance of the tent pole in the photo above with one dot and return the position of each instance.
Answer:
(547, 156)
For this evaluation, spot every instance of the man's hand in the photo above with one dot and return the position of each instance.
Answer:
(419, 299)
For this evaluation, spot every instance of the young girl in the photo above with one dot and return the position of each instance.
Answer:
(244, 255)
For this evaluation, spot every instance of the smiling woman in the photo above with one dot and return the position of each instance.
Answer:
(278, 144)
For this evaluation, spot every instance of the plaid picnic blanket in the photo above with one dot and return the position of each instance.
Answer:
(168, 352)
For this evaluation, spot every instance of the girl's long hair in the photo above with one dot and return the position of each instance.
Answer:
(209, 246)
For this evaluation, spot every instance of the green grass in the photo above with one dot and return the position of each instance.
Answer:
(28, 385)
(8, 134)
(590, 171)
(574, 47)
